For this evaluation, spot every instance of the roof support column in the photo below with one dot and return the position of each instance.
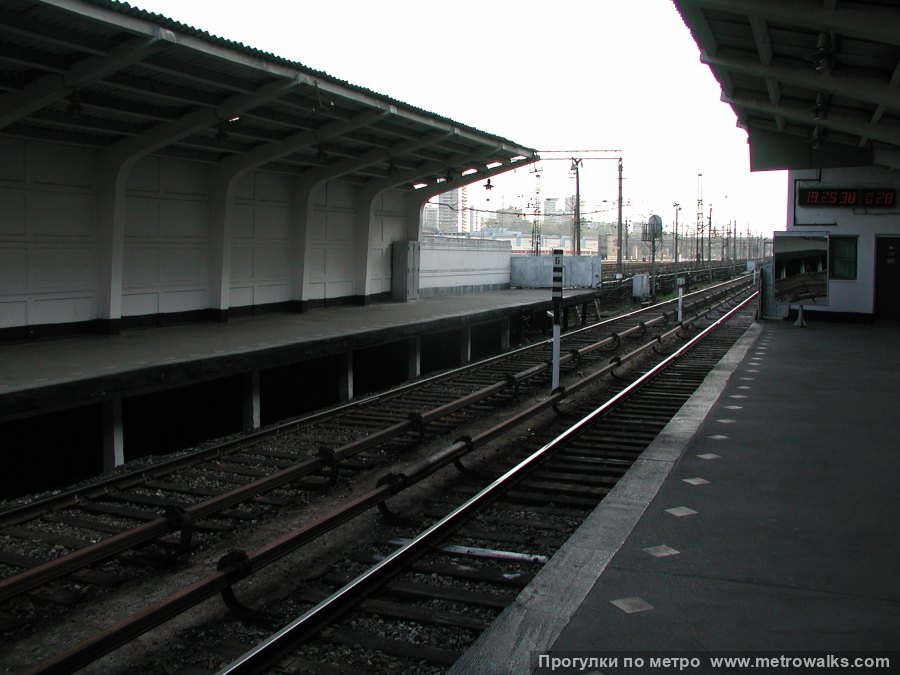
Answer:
(312, 179)
(302, 213)
(112, 180)
(221, 200)
(116, 165)
(365, 218)
(222, 189)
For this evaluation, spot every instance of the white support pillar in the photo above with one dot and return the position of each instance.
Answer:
(345, 376)
(221, 195)
(113, 438)
(111, 239)
(252, 418)
(465, 345)
(415, 357)
(366, 201)
(504, 335)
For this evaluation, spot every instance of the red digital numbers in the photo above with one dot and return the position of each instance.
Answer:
(879, 198)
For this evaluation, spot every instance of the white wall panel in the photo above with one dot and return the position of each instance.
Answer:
(182, 178)
(13, 314)
(271, 262)
(183, 264)
(166, 261)
(315, 227)
(144, 176)
(274, 293)
(184, 300)
(13, 268)
(183, 218)
(60, 165)
(241, 264)
(62, 269)
(62, 310)
(315, 290)
(142, 217)
(12, 168)
(261, 252)
(242, 221)
(316, 262)
(340, 196)
(242, 297)
(61, 214)
(339, 226)
(140, 304)
(141, 266)
(273, 222)
(13, 220)
(273, 187)
(48, 238)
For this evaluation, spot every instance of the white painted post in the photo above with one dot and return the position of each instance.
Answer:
(251, 401)
(113, 438)
(557, 313)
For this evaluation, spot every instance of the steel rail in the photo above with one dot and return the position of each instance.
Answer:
(17, 584)
(97, 489)
(239, 565)
(271, 650)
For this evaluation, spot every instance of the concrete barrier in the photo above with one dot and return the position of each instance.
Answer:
(580, 271)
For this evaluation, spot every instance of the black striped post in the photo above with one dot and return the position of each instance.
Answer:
(557, 313)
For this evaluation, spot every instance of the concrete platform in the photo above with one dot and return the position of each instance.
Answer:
(56, 373)
(765, 519)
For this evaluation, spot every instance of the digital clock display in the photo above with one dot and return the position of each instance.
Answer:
(847, 197)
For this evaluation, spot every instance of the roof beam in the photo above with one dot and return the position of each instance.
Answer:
(877, 25)
(269, 152)
(836, 122)
(48, 89)
(867, 89)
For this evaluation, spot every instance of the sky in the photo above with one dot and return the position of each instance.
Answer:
(563, 75)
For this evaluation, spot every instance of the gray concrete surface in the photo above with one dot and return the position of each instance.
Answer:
(791, 539)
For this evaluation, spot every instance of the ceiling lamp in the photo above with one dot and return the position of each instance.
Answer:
(821, 107)
(825, 56)
(488, 186)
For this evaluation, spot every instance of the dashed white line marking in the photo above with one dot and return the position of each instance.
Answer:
(681, 511)
(709, 455)
(661, 551)
(695, 481)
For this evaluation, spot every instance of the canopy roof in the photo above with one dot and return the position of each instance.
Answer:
(105, 75)
(814, 82)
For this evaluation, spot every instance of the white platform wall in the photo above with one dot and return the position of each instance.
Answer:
(166, 238)
(262, 248)
(50, 255)
(48, 241)
(456, 265)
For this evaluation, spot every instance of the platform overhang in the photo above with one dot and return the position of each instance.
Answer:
(105, 75)
(814, 82)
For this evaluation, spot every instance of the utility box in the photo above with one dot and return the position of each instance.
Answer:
(405, 258)
(640, 285)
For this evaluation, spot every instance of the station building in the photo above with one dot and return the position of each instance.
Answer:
(816, 87)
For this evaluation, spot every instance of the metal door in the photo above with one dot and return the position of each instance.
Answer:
(887, 277)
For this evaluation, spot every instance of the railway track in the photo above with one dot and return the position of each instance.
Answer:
(160, 514)
(464, 568)
(624, 436)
